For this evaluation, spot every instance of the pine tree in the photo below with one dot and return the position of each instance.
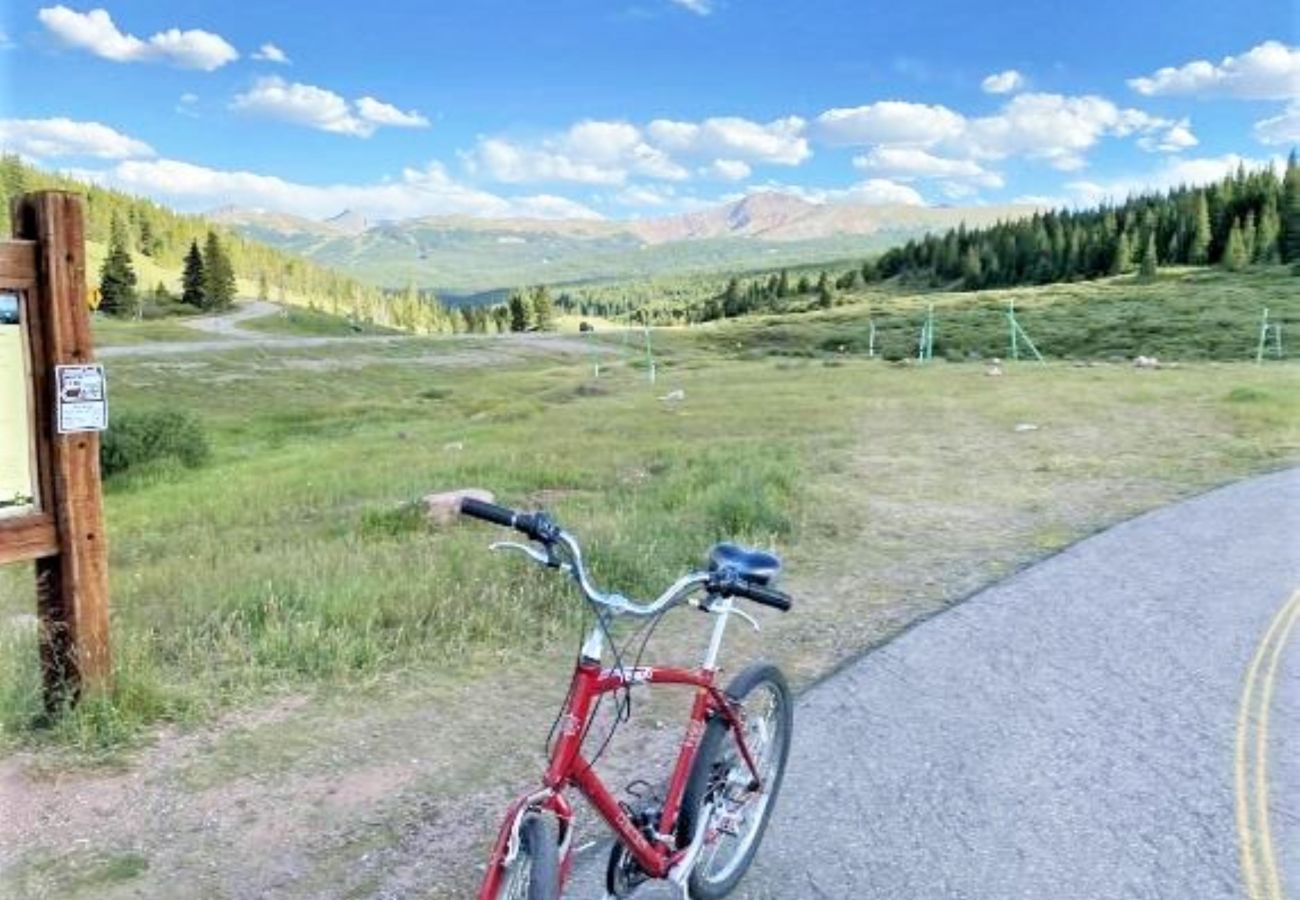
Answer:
(1291, 212)
(783, 284)
(1199, 252)
(1121, 259)
(263, 287)
(972, 272)
(825, 296)
(13, 183)
(1248, 235)
(117, 275)
(543, 309)
(193, 282)
(1270, 226)
(219, 276)
(1234, 250)
(1149, 263)
(805, 286)
(520, 314)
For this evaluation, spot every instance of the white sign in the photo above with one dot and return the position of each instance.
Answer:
(83, 398)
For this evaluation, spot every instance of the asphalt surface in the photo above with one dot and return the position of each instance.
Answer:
(1069, 733)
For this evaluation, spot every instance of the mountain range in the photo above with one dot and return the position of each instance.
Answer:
(463, 254)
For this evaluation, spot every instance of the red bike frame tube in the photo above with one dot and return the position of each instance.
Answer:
(568, 766)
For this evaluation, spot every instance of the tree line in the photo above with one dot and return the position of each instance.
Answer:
(1245, 218)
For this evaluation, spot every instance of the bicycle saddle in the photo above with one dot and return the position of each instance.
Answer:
(754, 566)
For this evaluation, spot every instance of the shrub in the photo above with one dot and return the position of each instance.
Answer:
(134, 439)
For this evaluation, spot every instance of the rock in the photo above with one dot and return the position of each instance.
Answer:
(673, 396)
(442, 509)
(994, 370)
(453, 446)
(1026, 426)
(1146, 362)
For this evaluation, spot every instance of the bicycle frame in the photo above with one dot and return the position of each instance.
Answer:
(568, 767)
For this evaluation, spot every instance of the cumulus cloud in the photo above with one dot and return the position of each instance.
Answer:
(95, 32)
(728, 169)
(1280, 129)
(271, 53)
(418, 192)
(780, 141)
(1057, 129)
(56, 138)
(699, 7)
(1003, 82)
(1174, 172)
(322, 109)
(641, 195)
(906, 163)
(379, 113)
(1269, 71)
(6, 43)
(882, 192)
(894, 122)
(589, 152)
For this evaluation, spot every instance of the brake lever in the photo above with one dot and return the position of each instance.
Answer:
(734, 611)
(537, 556)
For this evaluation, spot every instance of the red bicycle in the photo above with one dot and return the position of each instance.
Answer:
(703, 833)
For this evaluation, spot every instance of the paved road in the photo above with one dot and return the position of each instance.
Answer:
(1069, 733)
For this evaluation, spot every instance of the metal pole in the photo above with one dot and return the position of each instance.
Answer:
(871, 339)
(649, 354)
(1011, 323)
(1263, 338)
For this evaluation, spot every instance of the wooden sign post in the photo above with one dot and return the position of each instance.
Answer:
(59, 522)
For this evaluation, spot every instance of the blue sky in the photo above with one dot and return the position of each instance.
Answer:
(639, 107)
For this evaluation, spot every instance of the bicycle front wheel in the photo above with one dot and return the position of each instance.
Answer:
(721, 780)
(534, 872)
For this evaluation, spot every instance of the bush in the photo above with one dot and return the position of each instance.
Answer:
(134, 439)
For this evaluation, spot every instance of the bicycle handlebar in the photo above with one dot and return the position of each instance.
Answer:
(539, 527)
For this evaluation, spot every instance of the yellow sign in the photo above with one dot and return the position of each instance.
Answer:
(17, 468)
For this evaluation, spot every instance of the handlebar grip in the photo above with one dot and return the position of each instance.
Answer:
(763, 595)
(488, 512)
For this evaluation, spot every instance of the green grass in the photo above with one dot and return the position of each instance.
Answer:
(294, 560)
(109, 332)
(1188, 314)
(311, 323)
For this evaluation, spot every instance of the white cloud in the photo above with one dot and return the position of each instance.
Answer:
(699, 7)
(322, 109)
(728, 169)
(780, 141)
(1269, 71)
(186, 104)
(5, 42)
(419, 192)
(1176, 138)
(906, 163)
(1283, 128)
(882, 192)
(95, 32)
(1003, 82)
(1174, 172)
(271, 53)
(381, 113)
(589, 152)
(894, 122)
(54, 138)
(640, 195)
(1056, 129)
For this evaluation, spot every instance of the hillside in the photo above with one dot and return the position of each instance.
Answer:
(159, 237)
(461, 254)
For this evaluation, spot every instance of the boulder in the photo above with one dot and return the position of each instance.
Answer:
(443, 508)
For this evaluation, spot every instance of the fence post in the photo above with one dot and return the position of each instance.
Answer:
(71, 585)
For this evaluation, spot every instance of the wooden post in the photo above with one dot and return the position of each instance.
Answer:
(72, 584)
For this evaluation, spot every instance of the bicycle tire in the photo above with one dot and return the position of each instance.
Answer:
(718, 757)
(534, 874)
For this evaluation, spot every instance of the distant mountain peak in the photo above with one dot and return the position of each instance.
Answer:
(349, 222)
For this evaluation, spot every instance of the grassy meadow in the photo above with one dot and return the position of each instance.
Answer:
(294, 560)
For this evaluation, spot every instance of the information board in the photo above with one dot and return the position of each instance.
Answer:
(17, 451)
